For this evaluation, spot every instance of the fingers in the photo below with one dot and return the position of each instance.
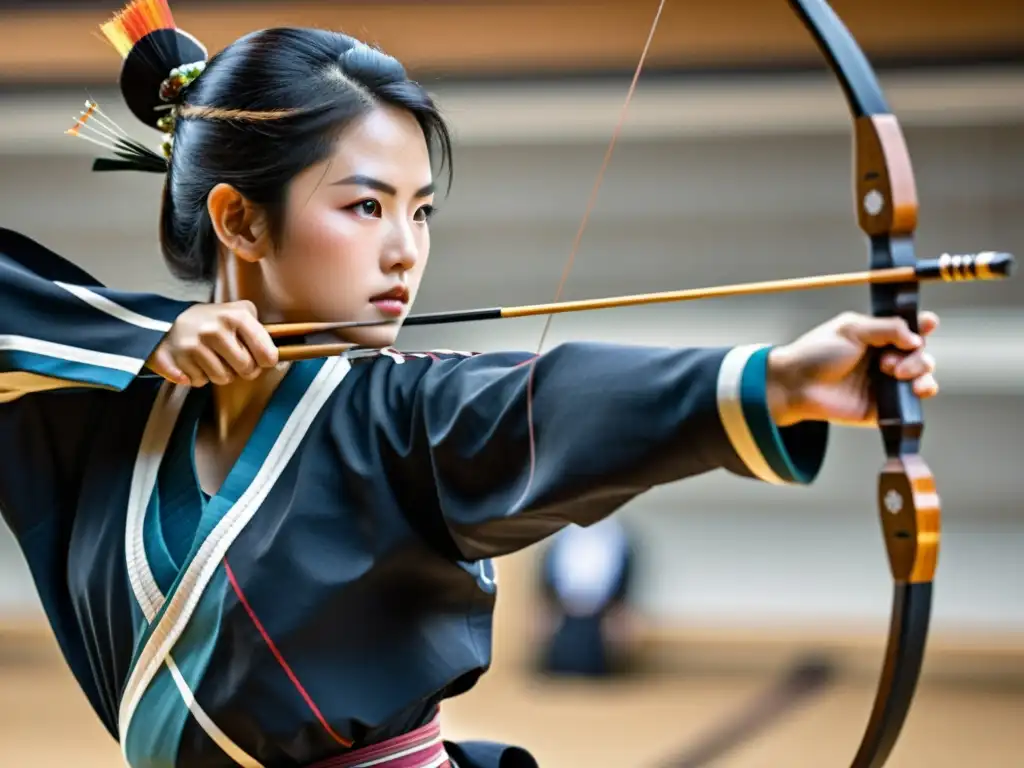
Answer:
(217, 344)
(907, 368)
(917, 367)
(212, 366)
(879, 331)
(927, 322)
(233, 357)
(194, 373)
(242, 342)
(926, 386)
(162, 363)
(888, 331)
(259, 343)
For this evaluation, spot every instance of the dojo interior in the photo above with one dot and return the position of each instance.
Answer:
(733, 165)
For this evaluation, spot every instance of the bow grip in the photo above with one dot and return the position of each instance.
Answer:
(900, 415)
(886, 198)
(887, 212)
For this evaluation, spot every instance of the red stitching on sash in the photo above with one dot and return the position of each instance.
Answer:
(416, 749)
(280, 659)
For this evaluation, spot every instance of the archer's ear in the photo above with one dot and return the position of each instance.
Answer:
(240, 225)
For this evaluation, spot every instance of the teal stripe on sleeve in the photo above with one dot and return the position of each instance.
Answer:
(75, 372)
(786, 455)
(789, 466)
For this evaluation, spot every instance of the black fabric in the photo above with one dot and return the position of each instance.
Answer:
(149, 64)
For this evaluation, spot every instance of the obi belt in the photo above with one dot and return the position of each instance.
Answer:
(422, 748)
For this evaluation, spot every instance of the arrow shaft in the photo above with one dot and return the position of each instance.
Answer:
(947, 268)
(902, 274)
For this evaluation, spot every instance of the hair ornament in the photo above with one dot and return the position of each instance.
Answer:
(97, 127)
(179, 79)
(170, 92)
(160, 62)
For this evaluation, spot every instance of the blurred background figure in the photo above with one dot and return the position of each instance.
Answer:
(586, 575)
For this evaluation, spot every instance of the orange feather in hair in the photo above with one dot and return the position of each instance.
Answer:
(135, 21)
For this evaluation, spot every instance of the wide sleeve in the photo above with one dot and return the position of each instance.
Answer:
(65, 341)
(60, 328)
(68, 347)
(608, 422)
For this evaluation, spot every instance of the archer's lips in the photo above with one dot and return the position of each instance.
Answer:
(401, 293)
(391, 307)
(391, 303)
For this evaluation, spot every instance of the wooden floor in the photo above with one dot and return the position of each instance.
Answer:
(46, 723)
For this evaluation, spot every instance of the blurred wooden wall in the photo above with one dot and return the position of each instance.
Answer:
(60, 42)
(45, 43)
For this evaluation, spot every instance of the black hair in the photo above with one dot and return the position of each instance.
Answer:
(264, 109)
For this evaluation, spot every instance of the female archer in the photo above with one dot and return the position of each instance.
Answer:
(247, 562)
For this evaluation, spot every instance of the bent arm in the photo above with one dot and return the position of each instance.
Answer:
(60, 328)
(609, 422)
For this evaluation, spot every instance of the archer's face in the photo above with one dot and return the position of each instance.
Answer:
(356, 236)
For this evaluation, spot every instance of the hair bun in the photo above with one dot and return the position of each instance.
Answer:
(370, 66)
(145, 35)
(149, 64)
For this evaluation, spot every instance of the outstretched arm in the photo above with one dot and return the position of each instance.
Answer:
(479, 451)
(609, 422)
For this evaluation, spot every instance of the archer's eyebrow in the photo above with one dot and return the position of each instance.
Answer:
(368, 181)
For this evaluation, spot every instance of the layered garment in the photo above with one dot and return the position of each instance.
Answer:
(340, 584)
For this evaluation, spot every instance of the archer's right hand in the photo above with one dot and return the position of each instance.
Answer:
(214, 343)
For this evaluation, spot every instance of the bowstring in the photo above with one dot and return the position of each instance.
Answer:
(591, 202)
(616, 132)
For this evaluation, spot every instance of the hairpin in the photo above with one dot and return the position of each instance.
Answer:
(160, 62)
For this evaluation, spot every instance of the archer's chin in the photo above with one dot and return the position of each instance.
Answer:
(372, 338)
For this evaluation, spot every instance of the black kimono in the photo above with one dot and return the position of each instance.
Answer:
(340, 584)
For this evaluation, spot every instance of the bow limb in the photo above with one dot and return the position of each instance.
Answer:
(886, 201)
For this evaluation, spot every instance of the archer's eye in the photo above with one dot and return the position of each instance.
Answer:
(367, 208)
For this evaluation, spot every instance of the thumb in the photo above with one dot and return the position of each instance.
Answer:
(880, 332)
(162, 364)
